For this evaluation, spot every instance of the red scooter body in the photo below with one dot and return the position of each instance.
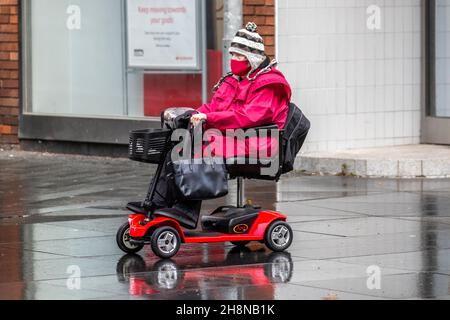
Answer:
(238, 225)
(139, 229)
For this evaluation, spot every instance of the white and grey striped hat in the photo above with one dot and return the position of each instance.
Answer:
(250, 44)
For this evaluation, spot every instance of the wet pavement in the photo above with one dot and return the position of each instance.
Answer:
(354, 238)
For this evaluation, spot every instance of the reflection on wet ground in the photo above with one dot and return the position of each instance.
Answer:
(59, 216)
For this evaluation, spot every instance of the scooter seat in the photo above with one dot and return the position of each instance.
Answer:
(178, 215)
(226, 221)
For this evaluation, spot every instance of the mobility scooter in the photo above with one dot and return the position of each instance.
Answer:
(165, 231)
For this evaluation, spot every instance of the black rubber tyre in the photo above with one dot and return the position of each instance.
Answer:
(240, 243)
(165, 242)
(278, 236)
(122, 239)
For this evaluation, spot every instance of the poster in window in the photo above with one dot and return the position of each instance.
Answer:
(163, 34)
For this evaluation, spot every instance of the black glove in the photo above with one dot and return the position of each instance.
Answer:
(182, 122)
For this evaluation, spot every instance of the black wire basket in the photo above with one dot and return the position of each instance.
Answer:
(149, 146)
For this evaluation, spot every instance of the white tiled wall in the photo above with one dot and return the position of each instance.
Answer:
(442, 58)
(359, 87)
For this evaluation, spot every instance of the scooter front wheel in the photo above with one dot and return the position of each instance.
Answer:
(123, 240)
(166, 242)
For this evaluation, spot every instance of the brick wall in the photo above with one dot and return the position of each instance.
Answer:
(262, 12)
(9, 71)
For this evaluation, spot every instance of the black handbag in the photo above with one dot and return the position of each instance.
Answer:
(200, 180)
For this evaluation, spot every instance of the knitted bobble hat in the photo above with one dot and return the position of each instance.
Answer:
(250, 44)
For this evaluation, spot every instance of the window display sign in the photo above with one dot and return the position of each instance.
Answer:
(163, 34)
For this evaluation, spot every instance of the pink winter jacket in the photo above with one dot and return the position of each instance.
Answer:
(246, 104)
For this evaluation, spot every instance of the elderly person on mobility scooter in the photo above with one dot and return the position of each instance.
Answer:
(254, 97)
(253, 94)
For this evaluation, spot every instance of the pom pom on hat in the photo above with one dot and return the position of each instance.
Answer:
(252, 27)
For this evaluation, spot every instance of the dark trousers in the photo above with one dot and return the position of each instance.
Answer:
(167, 195)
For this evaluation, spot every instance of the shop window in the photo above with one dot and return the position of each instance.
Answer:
(78, 62)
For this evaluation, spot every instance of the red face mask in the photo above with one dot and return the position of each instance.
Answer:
(240, 68)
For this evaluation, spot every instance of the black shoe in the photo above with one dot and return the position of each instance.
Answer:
(150, 206)
(186, 214)
(191, 209)
(147, 205)
(137, 207)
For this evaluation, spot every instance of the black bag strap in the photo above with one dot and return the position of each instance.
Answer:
(207, 144)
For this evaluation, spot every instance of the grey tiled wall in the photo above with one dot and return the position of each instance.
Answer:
(359, 87)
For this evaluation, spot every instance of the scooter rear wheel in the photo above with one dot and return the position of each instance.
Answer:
(165, 242)
(278, 236)
(123, 240)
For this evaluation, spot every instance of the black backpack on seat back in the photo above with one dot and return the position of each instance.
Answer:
(295, 132)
